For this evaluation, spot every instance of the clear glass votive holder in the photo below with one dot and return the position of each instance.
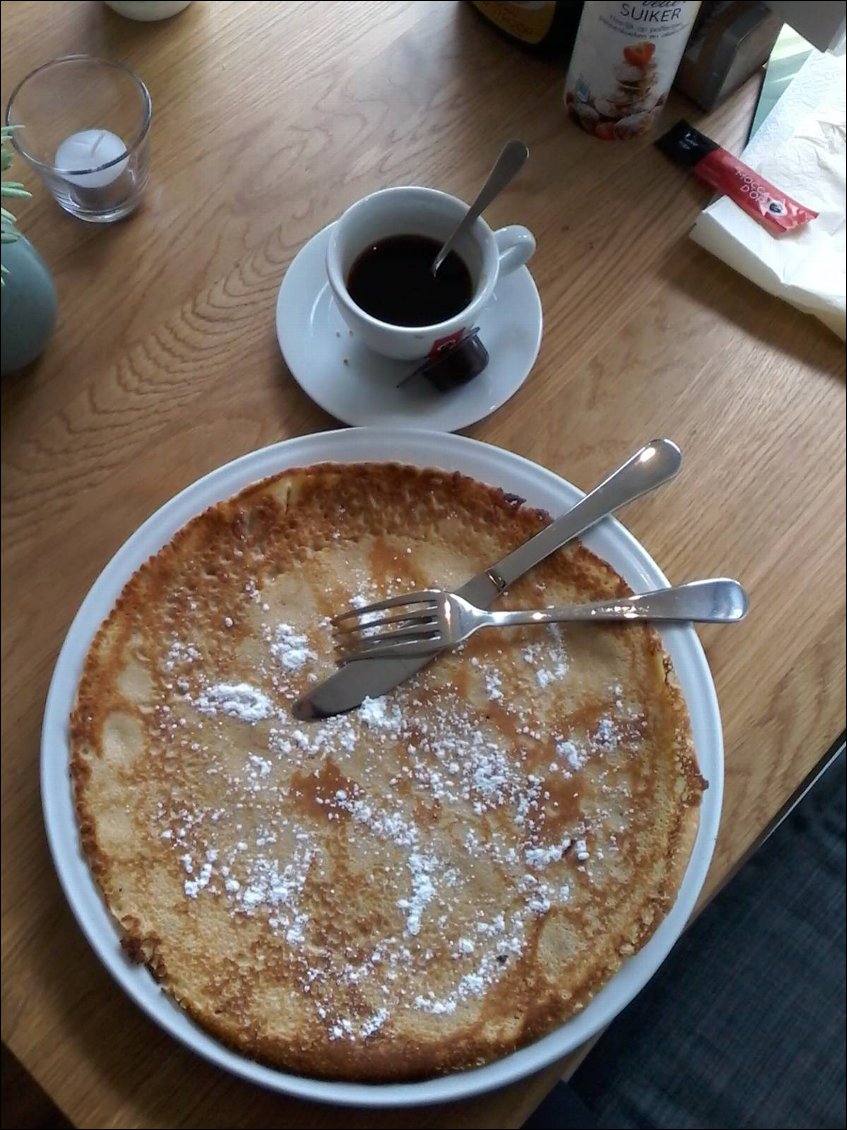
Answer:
(83, 124)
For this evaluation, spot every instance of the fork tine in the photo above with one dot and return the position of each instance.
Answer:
(411, 631)
(378, 649)
(424, 596)
(359, 626)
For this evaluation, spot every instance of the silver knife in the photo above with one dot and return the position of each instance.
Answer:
(647, 469)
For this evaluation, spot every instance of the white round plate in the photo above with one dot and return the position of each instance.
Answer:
(359, 387)
(501, 468)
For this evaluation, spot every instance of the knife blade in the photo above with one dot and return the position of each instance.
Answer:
(647, 469)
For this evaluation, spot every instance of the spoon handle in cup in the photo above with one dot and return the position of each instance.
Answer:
(512, 159)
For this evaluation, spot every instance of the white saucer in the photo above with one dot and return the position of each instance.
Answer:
(359, 387)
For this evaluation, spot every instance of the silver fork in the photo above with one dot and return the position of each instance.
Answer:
(422, 623)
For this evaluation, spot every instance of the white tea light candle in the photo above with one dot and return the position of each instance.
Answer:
(87, 134)
(87, 150)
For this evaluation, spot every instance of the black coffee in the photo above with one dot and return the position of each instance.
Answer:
(392, 280)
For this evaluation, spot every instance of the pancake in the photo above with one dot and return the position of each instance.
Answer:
(420, 886)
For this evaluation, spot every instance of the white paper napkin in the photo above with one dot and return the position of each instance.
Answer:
(800, 147)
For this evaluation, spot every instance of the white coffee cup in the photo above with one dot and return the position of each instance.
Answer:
(420, 211)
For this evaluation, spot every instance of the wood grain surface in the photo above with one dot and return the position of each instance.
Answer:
(270, 118)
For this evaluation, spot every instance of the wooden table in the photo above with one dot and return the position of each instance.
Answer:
(269, 119)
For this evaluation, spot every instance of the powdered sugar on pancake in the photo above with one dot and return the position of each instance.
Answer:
(405, 868)
(237, 700)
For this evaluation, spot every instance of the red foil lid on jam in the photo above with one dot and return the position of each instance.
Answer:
(777, 212)
(453, 364)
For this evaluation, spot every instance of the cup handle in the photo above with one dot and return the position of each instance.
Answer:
(516, 245)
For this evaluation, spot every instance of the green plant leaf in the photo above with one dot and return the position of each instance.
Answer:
(9, 189)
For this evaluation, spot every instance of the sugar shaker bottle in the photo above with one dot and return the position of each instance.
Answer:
(623, 64)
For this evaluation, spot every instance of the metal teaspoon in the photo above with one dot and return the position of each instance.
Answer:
(511, 160)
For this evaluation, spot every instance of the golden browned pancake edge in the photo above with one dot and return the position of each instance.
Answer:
(418, 887)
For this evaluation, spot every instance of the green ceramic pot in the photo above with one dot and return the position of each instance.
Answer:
(29, 305)
(147, 10)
